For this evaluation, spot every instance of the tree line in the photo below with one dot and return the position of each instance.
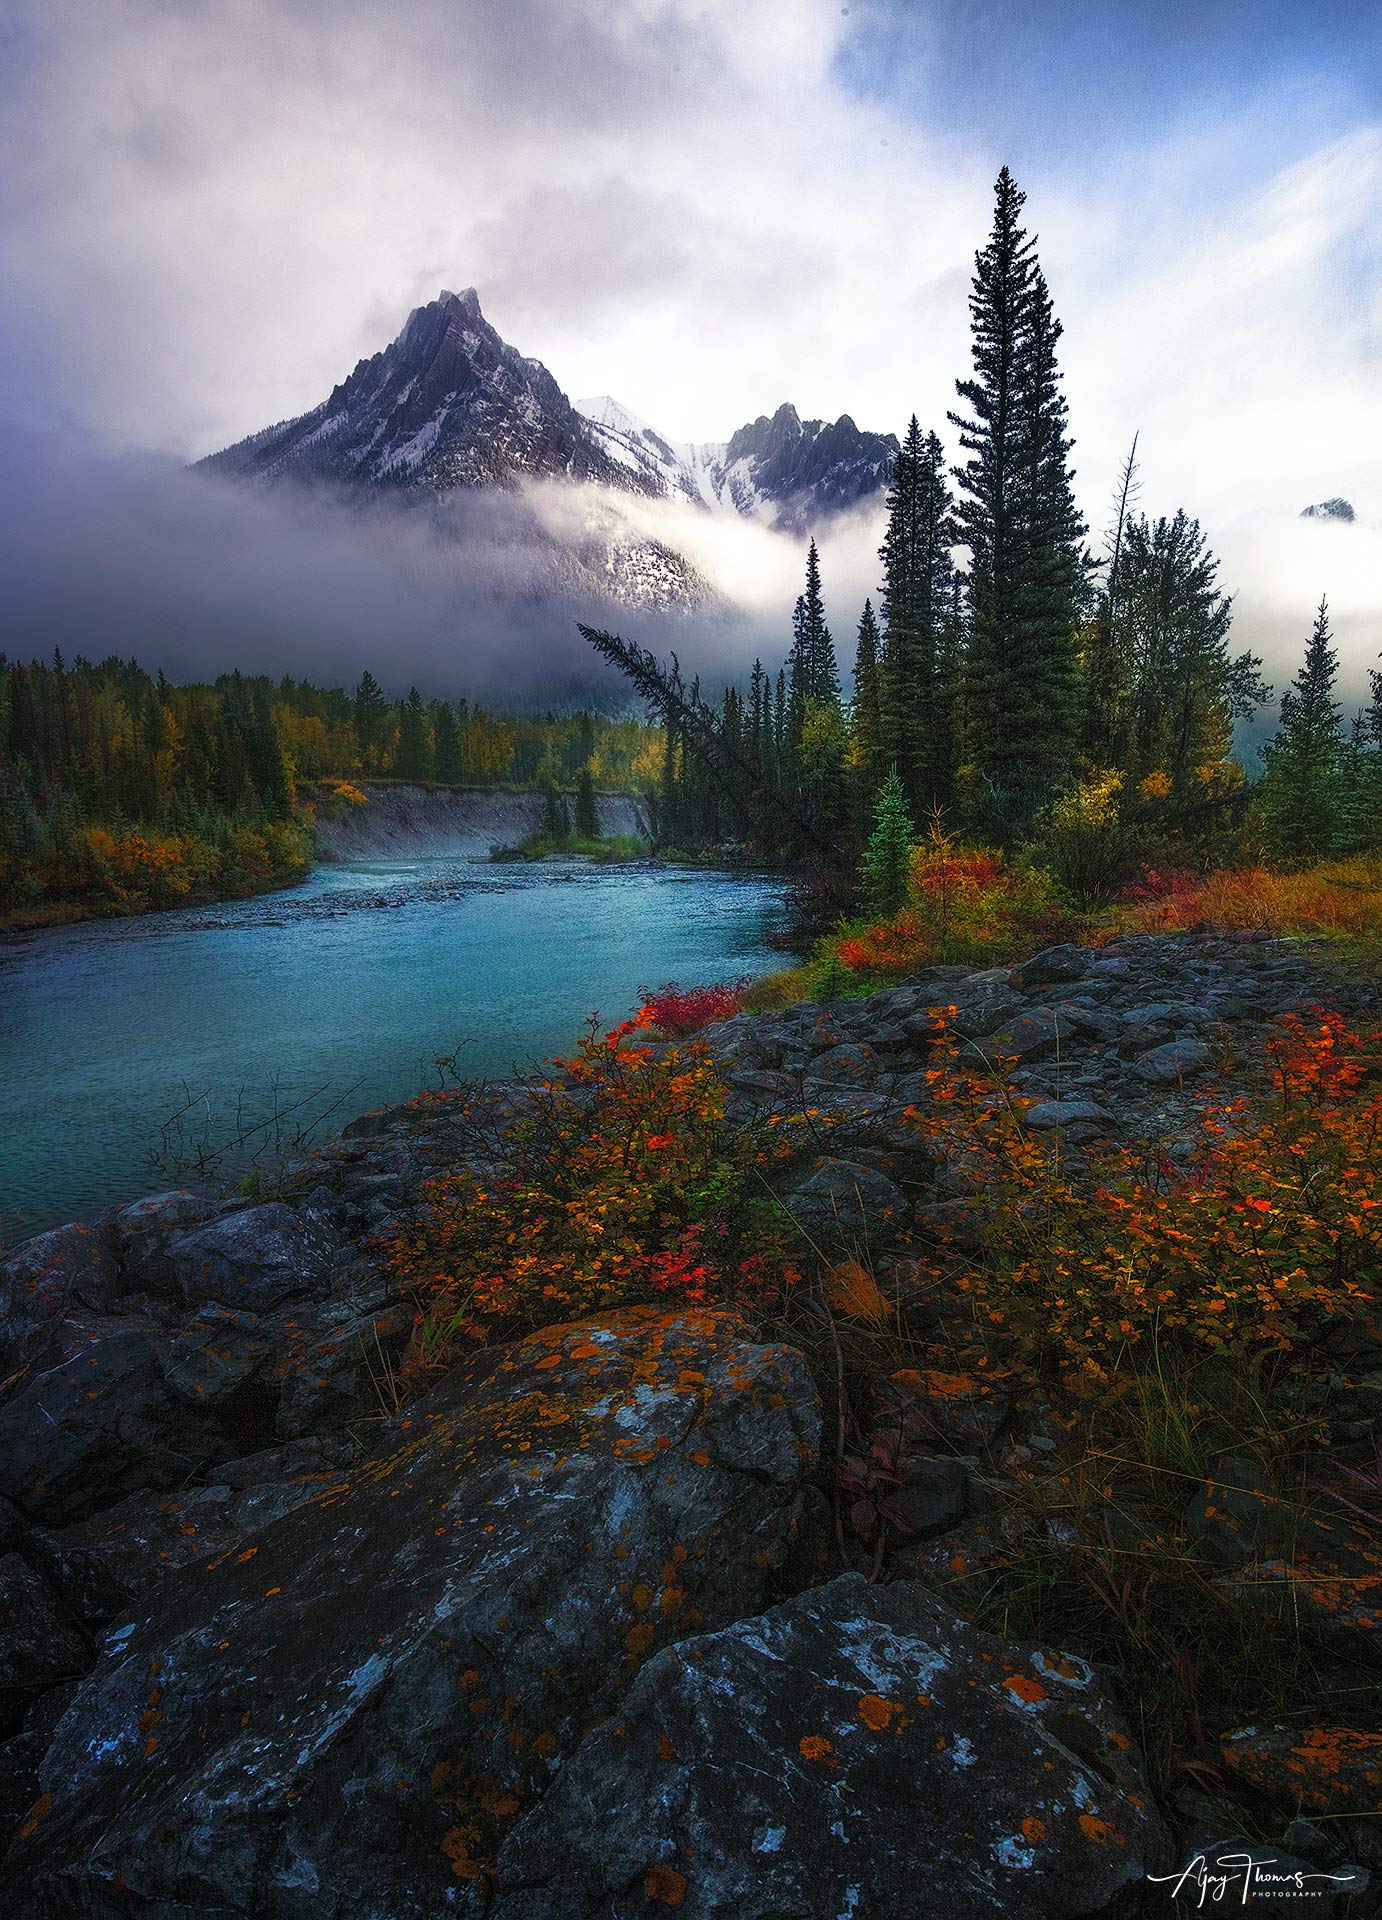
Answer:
(1016, 684)
(229, 768)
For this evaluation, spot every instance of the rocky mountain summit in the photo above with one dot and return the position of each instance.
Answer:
(575, 1634)
(786, 471)
(1333, 509)
(450, 404)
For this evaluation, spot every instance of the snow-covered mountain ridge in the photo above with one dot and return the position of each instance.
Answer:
(451, 404)
(783, 470)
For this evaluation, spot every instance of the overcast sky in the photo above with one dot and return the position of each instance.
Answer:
(210, 209)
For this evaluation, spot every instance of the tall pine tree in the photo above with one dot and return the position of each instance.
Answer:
(916, 706)
(412, 759)
(1302, 789)
(1018, 519)
(864, 711)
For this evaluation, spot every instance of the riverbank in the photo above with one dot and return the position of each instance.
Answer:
(1037, 1355)
(45, 915)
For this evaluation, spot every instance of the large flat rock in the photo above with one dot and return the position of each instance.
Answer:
(857, 1751)
(341, 1718)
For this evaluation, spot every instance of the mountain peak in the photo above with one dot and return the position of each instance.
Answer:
(1335, 509)
(446, 404)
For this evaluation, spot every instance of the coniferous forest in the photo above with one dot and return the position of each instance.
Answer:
(1066, 698)
(1076, 697)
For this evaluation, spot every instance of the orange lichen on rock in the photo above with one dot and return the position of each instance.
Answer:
(876, 1712)
(664, 1885)
(1320, 1770)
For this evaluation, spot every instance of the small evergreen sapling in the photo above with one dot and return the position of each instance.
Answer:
(887, 858)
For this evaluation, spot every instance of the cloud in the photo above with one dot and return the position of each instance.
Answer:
(210, 211)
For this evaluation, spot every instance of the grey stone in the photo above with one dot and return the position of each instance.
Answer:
(334, 1707)
(1177, 1060)
(857, 1750)
(931, 1494)
(255, 1258)
(1031, 1036)
(1066, 1113)
(843, 1203)
(45, 1280)
(1054, 965)
(1234, 1513)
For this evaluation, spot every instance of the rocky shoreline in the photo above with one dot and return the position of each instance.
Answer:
(572, 1636)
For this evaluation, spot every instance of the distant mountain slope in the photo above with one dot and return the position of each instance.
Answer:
(450, 405)
(784, 470)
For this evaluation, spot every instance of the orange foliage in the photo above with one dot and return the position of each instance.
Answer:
(1272, 1227)
(1335, 900)
(967, 903)
(620, 1182)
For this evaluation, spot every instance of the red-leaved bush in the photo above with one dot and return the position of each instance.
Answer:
(676, 1011)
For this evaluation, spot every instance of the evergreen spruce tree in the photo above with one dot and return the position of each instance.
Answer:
(1302, 788)
(556, 816)
(916, 690)
(368, 713)
(887, 858)
(1366, 798)
(267, 769)
(759, 718)
(1183, 688)
(412, 757)
(450, 767)
(1018, 519)
(865, 741)
(798, 688)
(823, 676)
(587, 811)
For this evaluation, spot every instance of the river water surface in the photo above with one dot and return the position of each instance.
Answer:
(320, 1003)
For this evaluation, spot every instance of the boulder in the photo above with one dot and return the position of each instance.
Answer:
(45, 1280)
(843, 1204)
(931, 1493)
(1055, 965)
(1333, 1770)
(256, 1258)
(1234, 1513)
(1069, 1113)
(143, 1229)
(858, 1750)
(94, 1428)
(980, 1014)
(216, 1352)
(1031, 1036)
(40, 1643)
(1177, 1060)
(343, 1716)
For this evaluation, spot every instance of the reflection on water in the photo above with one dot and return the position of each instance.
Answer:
(321, 1002)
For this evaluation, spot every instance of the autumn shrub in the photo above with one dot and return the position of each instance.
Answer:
(1090, 839)
(619, 1180)
(965, 904)
(676, 1011)
(1339, 900)
(126, 869)
(1244, 1248)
